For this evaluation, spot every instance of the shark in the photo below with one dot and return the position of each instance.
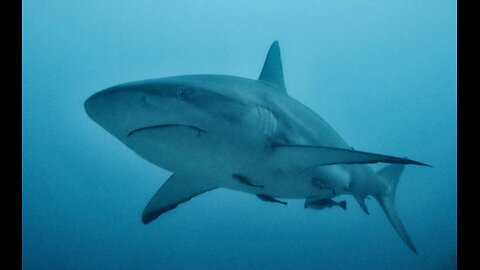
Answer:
(249, 135)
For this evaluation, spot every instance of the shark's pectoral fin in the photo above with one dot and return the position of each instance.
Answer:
(309, 156)
(176, 190)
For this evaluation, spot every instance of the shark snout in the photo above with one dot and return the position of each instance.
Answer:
(100, 103)
(94, 104)
(117, 109)
(89, 105)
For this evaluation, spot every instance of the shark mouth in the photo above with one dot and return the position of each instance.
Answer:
(199, 130)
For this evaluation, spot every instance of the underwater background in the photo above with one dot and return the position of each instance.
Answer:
(381, 73)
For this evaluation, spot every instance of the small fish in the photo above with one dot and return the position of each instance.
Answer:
(242, 179)
(320, 204)
(267, 198)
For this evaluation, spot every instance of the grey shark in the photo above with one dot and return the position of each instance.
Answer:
(218, 131)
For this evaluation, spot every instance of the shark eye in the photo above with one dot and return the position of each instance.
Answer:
(183, 93)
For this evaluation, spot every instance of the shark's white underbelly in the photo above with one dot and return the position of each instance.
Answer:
(232, 163)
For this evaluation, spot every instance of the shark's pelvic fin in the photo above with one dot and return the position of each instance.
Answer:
(391, 174)
(176, 190)
(272, 71)
(318, 184)
(309, 156)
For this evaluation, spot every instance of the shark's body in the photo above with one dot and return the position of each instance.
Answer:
(216, 131)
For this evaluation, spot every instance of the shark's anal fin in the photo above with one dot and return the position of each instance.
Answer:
(244, 180)
(310, 156)
(361, 201)
(272, 71)
(267, 198)
(343, 204)
(176, 190)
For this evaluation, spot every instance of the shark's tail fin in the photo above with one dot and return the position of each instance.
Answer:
(391, 174)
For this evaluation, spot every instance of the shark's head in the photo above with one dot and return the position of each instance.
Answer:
(183, 101)
(196, 101)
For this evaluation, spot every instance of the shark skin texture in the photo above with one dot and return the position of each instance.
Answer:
(219, 131)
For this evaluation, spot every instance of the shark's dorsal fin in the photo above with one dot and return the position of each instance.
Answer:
(272, 71)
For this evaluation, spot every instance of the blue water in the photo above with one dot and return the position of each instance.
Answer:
(381, 73)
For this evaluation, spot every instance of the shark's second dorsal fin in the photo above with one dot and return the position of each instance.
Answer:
(272, 71)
